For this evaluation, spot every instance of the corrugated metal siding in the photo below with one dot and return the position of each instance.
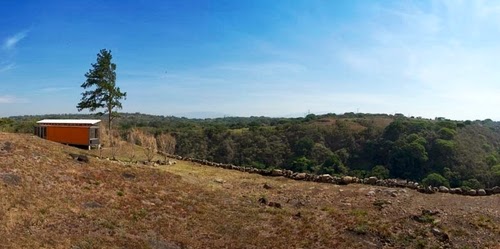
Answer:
(76, 135)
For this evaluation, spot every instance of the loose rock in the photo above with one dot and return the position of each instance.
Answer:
(300, 176)
(443, 189)
(127, 175)
(263, 200)
(11, 179)
(472, 192)
(276, 172)
(218, 180)
(347, 179)
(274, 204)
(371, 180)
(441, 235)
(80, 158)
(92, 204)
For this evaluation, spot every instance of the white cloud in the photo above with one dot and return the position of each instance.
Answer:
(12, 41)
(429, 59)
(445, 54)
(55, 89)
(7, 99)
(267, 68)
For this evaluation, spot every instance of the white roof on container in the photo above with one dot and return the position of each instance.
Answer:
(69, 121)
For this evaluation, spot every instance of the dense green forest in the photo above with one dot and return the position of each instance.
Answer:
(439, 151)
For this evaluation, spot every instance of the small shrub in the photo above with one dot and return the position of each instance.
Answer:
(361, 229)
(138, 215)
(472, 184)
(359, 173)
(435, 179)
(380, 172)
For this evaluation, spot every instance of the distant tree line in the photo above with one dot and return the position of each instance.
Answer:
(435, 152)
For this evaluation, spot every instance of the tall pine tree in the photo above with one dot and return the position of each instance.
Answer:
(100, 86)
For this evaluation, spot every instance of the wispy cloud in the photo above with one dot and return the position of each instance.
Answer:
(7, 67)
(7, 99)
(55, 89)
(12, 41)
(443, 53)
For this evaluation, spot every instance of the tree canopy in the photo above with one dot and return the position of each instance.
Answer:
(100, 87)
(465, 153)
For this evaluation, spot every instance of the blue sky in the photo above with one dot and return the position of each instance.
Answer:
(243, 58)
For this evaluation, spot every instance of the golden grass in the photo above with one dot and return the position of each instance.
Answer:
(61, 203)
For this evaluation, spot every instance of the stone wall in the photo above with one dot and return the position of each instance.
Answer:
(344, 180)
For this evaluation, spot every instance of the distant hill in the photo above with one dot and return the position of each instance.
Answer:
(201, 115)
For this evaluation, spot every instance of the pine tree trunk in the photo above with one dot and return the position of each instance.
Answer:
(109, 116)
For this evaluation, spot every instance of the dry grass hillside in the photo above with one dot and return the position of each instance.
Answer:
(49, 200)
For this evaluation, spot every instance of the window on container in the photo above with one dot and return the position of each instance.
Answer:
(94, 133)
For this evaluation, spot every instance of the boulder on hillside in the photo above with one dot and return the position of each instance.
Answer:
(441, 235)
(128, 175)
(427, 190)
(287, 173)
(372, 180)
(346, 180)
(6, 147)
(10, 179)
(325, 178)
(276, 172)
(92, 204)
(443, 189)
(218, 180)
(80, 157)
(263, 201)
(274, 204)
(300, 176)
(495, 190)
(472, 192)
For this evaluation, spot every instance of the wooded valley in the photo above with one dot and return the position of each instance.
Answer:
(435, 152)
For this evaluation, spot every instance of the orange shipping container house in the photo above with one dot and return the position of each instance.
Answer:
(81, 132)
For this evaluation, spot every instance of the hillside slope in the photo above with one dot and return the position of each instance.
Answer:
(49, 200)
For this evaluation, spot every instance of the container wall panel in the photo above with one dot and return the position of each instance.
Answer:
(68, 134)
